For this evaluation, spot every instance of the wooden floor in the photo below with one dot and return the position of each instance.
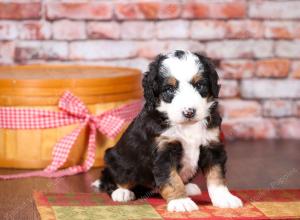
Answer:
(251, 165)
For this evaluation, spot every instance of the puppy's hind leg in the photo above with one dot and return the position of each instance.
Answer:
(118, 192)
(96, 184)
(106, 182)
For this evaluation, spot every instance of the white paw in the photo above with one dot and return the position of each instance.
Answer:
(182, 205)
(96, 184)
(122, 195)
(192, 189)
(222, 198)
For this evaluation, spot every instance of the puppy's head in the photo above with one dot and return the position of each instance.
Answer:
(181, 84)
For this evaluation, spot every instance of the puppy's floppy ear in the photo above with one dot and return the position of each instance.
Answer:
(211, 73)
(150, 84)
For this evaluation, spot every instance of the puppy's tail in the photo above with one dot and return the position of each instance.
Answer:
(106, 182)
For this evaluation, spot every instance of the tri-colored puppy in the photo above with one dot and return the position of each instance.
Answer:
(176, 134)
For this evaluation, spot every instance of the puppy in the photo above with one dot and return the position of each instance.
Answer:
(176, 134)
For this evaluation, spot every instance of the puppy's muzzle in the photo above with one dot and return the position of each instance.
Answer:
(189, 113)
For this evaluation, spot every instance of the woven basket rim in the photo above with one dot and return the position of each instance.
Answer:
(124, 83)
(9, 72)
(113, 76)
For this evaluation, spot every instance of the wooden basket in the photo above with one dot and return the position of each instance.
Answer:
(41, 86)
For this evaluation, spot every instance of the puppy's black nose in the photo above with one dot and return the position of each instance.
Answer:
(189, 113)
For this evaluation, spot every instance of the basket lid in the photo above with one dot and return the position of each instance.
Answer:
(45, 81)
(50, 72)
(49, 77)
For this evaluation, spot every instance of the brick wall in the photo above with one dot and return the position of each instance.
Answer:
(256, 41)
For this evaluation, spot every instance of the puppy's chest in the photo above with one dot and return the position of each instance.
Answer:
(191, 138)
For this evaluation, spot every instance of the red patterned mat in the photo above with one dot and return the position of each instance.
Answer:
(258, 204)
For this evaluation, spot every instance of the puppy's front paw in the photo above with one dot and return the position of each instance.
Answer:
(182, 205)
(192, 189)
(122, 195)
(222, 198)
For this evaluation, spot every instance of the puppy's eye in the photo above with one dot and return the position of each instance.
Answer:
(168, 93)
(169, 89)
(199, 86)
(202, 88)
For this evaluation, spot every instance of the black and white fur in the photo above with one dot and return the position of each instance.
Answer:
(177, 133)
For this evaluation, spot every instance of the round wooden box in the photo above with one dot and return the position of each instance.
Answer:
(40, 87)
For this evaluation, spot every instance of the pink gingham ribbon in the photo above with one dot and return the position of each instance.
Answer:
(72, 111)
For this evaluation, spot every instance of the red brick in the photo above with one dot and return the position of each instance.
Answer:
(170, 10)
(296, 69)
(288, 49)
(234, 29)
(174, 29)
(194, 46)
(270, 88)
(131, 11)
(296, 108)
(221, 9)
(277, 68)
(20, 10)
(240, 49)
(150, 49)
(148, 10)
(7, 49)
(249, 128)
(239, 108)
(282, 29)
(27, 51)
(82, 10)
(103, 30)
(8, 30)
(35, 30)
(208, 29)
(244, 29)
(236, 69)
(289, 128)
(138, 63)
(277, 108)
(104, 49)
(46, 50)
(68, 30)
(274, 9)
(54, 50)
(194, 9)
(137, 30)
(229, 88)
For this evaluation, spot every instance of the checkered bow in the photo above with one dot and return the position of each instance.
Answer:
(72, 111)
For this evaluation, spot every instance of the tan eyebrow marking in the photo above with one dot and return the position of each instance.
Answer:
(196, 78)
(172, 81)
